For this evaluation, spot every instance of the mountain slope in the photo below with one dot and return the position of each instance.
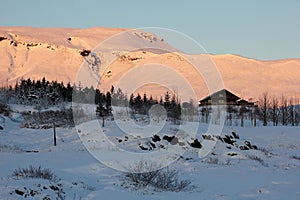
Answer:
(56, 53)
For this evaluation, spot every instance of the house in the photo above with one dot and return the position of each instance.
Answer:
(224, 97)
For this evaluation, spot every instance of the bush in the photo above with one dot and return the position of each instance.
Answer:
(35, 172)
(4, 109)
(296, 157)
(258, 159)
(146, 174)
(10, 148)
(44, 120)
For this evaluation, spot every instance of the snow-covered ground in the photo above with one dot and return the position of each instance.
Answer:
(271, 171)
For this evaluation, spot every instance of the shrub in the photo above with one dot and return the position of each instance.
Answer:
(4, 109)
(44, 120)
(146, 174)
(296, 157)
(258, 159)
(35, 172)
(10, 148)
(210, 160)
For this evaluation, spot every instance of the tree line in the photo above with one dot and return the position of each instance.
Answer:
(42, 93)
(278, 111)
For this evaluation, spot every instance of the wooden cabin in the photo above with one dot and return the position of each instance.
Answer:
(224, 97)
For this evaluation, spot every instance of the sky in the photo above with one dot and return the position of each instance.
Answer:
(260, 29)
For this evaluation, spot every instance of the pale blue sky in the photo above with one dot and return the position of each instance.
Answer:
(262, 29)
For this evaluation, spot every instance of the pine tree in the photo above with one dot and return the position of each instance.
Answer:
(103, 111)
(138, 103)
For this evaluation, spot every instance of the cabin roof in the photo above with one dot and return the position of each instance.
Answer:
(223, 91)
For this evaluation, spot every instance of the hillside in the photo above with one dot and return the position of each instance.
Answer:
(57, 54)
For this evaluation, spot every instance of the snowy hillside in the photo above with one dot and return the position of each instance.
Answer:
(57, 54)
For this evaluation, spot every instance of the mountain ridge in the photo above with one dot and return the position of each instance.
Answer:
(55, 53)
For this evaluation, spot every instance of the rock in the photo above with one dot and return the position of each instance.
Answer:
(208, 137)
(168, 138)
(228, 140)
(219, 138)
(196, 144)
(172, 139)
(232, 154)
(19, 192)
(248, 144)
(119, 140)
(153, 145)
(1, 128)
(244, 148)
(143, 148)
(235, 135)
(182, 144)
(54, 188)
(156, 138)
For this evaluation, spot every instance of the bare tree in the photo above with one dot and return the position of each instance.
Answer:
(274, 111)
(264, 104)
(297, 112)
(291, 112)
(242, 111)
(229, 114)
(284, 110)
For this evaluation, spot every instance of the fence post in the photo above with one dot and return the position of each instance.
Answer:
(54, 134)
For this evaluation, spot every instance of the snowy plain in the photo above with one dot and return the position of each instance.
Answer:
(270, 172)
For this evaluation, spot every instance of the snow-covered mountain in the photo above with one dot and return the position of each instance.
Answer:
(57, 54)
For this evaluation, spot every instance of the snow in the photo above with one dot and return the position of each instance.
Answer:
(58, 58)
(271, 172)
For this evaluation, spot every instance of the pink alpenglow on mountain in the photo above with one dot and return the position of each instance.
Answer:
(57, 54)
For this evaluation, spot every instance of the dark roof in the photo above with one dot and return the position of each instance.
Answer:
(242, 101)
(224, 92)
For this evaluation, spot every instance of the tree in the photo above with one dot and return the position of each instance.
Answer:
(119, 98)
(167, 101)
(274, 111)
(112, 90)
(229, 114)
(284, 110)
(103, 111)
(241, 113)
(138, 104)
(264, 104)
(131, 101)
(188, 110)
(108, 100)
(157, 112)
(174, 109)
(161, 102)
(291, 112)
(297, 112)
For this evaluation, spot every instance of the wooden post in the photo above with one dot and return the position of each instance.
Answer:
(254, 119)
(54, 134)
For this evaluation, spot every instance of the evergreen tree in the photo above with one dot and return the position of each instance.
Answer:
(138, 104)
(103, 111)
